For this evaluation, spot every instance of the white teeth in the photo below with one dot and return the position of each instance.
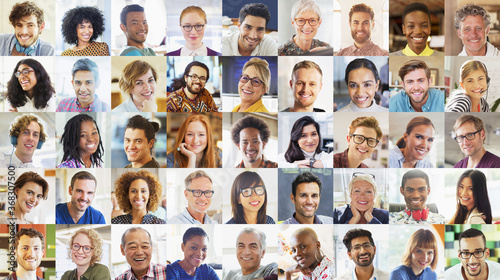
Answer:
(362, 99)
(305, 95)
(90, 146)
(139, 260)
(363, 202)
(421, 152)
(29, 145)
(415, 201)
(362, 151)
(246, 91)
(255, 203)
(246, 259)
(139, 202)
(418, 39)
(147, 94)
(463, 198)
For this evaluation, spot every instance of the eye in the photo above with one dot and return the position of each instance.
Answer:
(204, 249)
(430, 140)
(39, 196)
(299, 83)
(419, 137)
(353, 85)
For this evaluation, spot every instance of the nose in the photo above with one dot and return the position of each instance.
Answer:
(309, 200)
(246, 251)
(253, 33)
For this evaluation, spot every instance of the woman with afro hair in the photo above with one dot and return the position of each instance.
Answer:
(81, 26)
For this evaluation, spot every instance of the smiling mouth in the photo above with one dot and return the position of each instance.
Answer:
(91, 146)
(29, 146)
(202, 204)
(247, 92)
(473, 266)
(252, 41)
(364, 258)
(140, 260)
(421, 152)
(29, 205)
(416, 202)
(362, 99)
(309, 208)
(306, 32)
(465, 199)
(251, 152)
(25, 37)
(362, 202)
(422, 263)
(139, 202)
(362, 151)
(247, 259)
(147, 94)
(254, 203)
(418, 39)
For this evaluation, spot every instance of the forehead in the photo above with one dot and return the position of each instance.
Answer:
(416, 74)
(307, 74)
(466, 127)
(82, 239)
(309, 128)
(250, 132)
(307, 14)
(84, 184)
(23, 67)
(84, 76)
(415, 183)
(300, 238)
(308, 187)
(146, 75)
(362, 184)
(33, 186)
(192, 17)
(140, 16)
(200, 71)
(137, 236)
(255, 21)
(28, 20)
(360, 240)
(249, 238)
(198, 240)
(361, 16)
(366, 131)
(251, 71)
(139, 184)
(472, 243)
(416, 16)
(473, 20)
(201, 183)
(196, 126)
(135, 133)
(423, 129)
(33, 126)
(29, 241)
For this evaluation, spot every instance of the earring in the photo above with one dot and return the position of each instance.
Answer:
(321, 255)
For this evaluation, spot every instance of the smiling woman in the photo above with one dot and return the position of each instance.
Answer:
(255, 80)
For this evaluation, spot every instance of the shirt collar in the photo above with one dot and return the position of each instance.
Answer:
(201, 51)
(92, 106)
(409, 52)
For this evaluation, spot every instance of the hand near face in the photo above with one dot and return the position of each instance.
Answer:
(356, 215)
(147, 106)
(296, 269)
(305, 163)
(368, 214)
(191, 155)
(317, 49)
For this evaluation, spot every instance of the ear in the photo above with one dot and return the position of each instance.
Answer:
(486, 253)
(462, 85)
(292, 198)
(320, 86)
(374, 250)
(319, 23)
(185, 193)
(263, 253)
(349, 254)
(428, 190)
(123, 27)
(291, 84)
(348, 138)
(182, 247)
(239, 23)
(378, 85)
(461, 257)
(405, 137)
(16, 191)
(238, 145)
(487, 30)
(430, 81)
(373, 24)
(122, 249)
(264, 145)
(43, 26)
(483, 134)
(401, 190)
(151, 143)
(70, 190)
(403, 27)
(460, 36)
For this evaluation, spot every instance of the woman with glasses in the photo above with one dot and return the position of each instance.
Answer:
(420, 258)
(30, 89)
(411, 149)
(85, 250)
(138, 194)
(474, 83)
(192, 22)
(304, 149)
(362, 193)
(138, 85)
(249, 200)
(473, 203)
(306, 19)
(255, 81)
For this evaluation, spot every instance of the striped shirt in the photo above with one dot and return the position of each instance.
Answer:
(460, 102)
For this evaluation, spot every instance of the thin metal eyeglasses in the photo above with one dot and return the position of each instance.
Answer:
(25, 73)
(366, 246)
(467, 255)
(256, 82)
(198, 193)
(197, 27)
(76, 247)
(469, 136)
(302, 21)
(359, 139)
(259, 190)
(196, 78)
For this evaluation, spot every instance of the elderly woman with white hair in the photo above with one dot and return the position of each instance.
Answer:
(362, 193)
(306, 19)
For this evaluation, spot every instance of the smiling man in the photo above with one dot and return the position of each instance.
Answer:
(416, 96)
(29, 248)
(28, 21)
(134, 24)
(78, 210)
(306, 84)
(138, 142)
(198, 194)
(250, 39)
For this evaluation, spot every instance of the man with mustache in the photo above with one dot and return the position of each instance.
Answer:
(85, 82)
(361, 23)
(361, 250)
(416, 96)
(78, 210)
(29, 249)
(134, 24)
(189, 92)
(306, 84)
(28, 21)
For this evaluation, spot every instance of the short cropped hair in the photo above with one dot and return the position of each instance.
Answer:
(471, 233)
(195, 175)
(416, 6)
(256, 10)
(31, 233)
(415, 173)
(83, 175)
(134, 229)
(302, 6)
(305, 177)
(478, 123)
(370, 122)
(21, 122)
(471, 10)
(192, 232)
(260, 233)
(86, 64)
(26, 9)
(132, 72)
(355, 233)
(363, 177)
(361, 8)
(34, 177)
(306, 64)
(128, 9)
(253, 122)
(413, 65)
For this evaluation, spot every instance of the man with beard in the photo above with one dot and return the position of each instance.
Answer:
(306, 194)
(190, 94)
(306, 84)
(78, 210)
(361, 250)
(361, 23)
(251, 134)
(134, 24)
(416, 95)
(28, 22)
(473, 255)
(29, 249)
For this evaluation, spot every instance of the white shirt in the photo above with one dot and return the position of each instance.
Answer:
(201, 51)
(13, 160)
(377, 275)
(29, 106)
(455, 272)
(326, 158)
(268, 46)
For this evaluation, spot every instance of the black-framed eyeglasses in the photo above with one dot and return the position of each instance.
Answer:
(359, 139)
(198, 193)
(256, 82)
(259, 190)
(469, 136)
(366, 246)
(302, 21)
(76, 247)
(356, 174)
(25, 73)
(197, 27)
(467, 255)
(195, 77)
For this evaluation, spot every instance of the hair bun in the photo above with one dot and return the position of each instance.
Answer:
(156, 126)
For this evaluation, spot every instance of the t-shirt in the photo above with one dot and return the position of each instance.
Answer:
(91, 216)
(455, 272)
(488, 160)
(204, 272)
(261, 272)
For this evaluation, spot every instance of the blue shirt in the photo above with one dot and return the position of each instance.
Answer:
(343, 214)
(401, 102)
(204, 272)
(91, 216)
(403, 272)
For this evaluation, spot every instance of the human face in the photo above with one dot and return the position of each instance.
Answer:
(306, 32)
(306, 199)
(475, 268)
(195, 250)
(29, 252)
(138, 250)
(248, 93)
(415, 192)
(416, 86)
(144, 88)
(471, 147)
(362, 195)
(475, 84)
(80, 258)
(309, 139)
(249, 252)
(254, 202)
(138, 193)
(417, 28)
(252, 31)
(304, 250)
(193, 38)
(136, 145)
(28, 196)
(419, 142)
(361, 27)
(306, 86)
(199, 204)
(251, 145)
(27, 140)
(198, 86)
(28, 82)
(362, 87)
(84, 85)
(82, 194)
(84, 31)
(360, 152)
(136, 28)
(466, 194)
(364, 255)
(196, 137)
(89, 138)
(27, 30)
(421, 258)
(473, 32)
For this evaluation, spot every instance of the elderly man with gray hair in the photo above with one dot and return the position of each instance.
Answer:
(198, 193)
(250, 249)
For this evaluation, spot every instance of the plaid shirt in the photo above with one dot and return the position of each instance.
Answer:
(340, 160)
(155, 271)
(263, 164)
(72, 105)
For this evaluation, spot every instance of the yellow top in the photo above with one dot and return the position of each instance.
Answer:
(256, 107)
(409, 52)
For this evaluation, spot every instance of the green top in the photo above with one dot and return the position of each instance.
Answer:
(94, 272)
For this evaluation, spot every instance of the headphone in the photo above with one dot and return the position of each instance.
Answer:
(418, 215)
(13, 141)
(28, 50)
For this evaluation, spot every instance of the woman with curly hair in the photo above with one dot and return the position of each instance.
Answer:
(82, 144)
(30, 89)
(138, 193)
(81, 26)
(85, 250)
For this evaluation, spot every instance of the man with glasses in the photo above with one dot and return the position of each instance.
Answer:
(198, 194)
(306, 84)
(364, 136)
(473, 255)
(190, 94)
(470, 136)
(134, 24)
(361, 250)
(29, 248)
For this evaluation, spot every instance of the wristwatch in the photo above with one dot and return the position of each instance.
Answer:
(311, 162)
